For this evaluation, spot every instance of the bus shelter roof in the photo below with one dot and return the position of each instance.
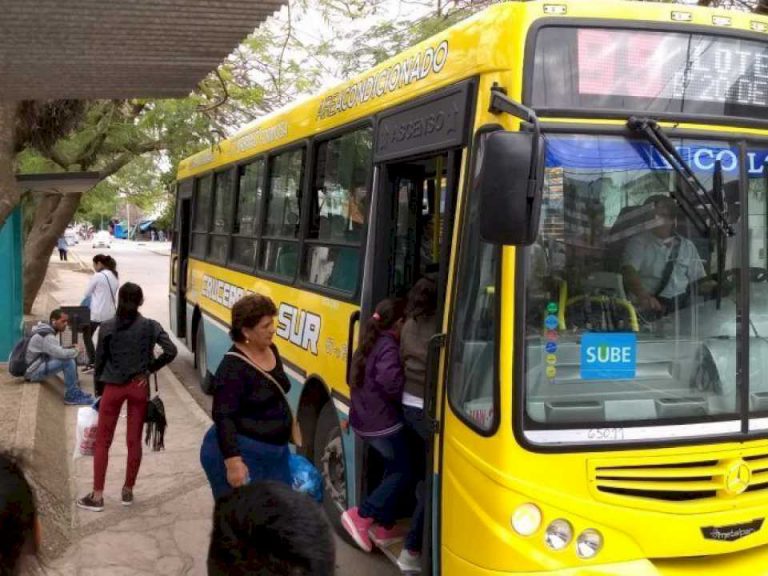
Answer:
(58, 182)
(90, 49)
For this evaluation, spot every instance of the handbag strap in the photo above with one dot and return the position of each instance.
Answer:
(264, 373)
(109, 287)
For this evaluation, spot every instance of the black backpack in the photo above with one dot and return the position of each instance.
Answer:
(17, 361)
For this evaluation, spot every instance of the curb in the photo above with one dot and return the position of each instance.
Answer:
(84, 267)
(166, 374)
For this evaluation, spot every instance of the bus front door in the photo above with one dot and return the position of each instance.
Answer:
(414, 216)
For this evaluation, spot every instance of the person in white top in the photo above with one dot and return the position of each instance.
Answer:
(101, 298)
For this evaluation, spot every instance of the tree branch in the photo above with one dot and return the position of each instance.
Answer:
(288, 35)
(128, 155)
(206, 109)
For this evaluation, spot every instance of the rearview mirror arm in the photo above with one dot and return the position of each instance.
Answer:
(503, 104)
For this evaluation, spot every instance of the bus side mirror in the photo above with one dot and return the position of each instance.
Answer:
(510, 185)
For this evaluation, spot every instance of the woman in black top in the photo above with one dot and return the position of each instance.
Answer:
(251, 417)
(125, 356)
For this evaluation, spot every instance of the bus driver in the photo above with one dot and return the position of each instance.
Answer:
(658, 264)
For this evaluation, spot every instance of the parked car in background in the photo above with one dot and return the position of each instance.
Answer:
(102, 239)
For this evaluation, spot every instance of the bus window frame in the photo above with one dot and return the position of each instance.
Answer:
(227, 235)
(520, 421)
(203, 256)
(307, 243)
(238, 166)
(304, 144)
(462, 213)
(640, 25)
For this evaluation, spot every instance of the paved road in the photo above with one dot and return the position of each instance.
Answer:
(147, 264)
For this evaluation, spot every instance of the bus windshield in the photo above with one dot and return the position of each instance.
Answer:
(628, 325)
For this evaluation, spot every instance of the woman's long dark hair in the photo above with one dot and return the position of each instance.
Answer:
(129, 299)
(387, 314)
(110, 264)
(422, 299)
(107, 261)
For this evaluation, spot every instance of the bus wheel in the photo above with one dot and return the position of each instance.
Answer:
(329, 460)
(201, 360)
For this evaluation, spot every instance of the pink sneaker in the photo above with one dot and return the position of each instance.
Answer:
(386, 536)
(357, 526)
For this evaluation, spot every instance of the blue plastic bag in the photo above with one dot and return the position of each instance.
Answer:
(305, 477)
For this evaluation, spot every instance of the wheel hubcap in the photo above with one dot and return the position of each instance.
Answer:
(333, 471)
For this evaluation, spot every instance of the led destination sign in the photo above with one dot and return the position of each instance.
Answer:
(668, 72)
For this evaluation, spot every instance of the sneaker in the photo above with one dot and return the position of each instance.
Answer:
(79, 399)
(357, 527)
(384, 537)
(87, 368)
(89, 503)
(409, 562)
(127, 496)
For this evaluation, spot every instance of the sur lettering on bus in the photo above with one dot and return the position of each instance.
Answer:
(299, 327)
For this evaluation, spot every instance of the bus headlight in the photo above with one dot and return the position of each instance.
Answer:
(588, 544)
(559, 534)
(526, 519)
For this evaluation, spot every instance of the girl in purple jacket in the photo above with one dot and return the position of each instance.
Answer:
(376, 415)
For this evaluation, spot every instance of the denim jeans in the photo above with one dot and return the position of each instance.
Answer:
(54, 366)
(264, 461)
(420, 434)
(385, 501)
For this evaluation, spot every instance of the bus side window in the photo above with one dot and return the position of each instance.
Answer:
(201, 219)
(248, 214)
(339, 206)
(280, 246)
(222, 213)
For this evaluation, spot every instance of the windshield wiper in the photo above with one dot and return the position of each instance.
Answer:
(649, 128)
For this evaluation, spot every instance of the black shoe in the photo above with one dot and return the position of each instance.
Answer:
(88, 368)
(90, 503)
(127, 496)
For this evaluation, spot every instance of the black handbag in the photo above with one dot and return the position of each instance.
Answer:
(156, 422)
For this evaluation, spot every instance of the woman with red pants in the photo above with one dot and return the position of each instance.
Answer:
(125, 358)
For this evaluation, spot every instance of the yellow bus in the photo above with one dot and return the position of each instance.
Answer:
(587, 182)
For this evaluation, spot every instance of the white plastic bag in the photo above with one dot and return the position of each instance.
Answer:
(87, 424)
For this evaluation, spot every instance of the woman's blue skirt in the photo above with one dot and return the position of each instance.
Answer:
(264, 461)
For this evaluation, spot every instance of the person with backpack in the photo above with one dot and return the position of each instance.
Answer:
(125, 357)
(44, 356)
(376, 384)
(101, 298)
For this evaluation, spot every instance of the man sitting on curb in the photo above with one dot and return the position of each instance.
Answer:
(45, 357)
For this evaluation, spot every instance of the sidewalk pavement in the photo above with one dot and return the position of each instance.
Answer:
(167, 529)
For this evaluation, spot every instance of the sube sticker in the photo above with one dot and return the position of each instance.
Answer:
(611, 356)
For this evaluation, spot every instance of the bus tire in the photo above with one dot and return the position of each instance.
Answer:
(329, 460)
(201, 360)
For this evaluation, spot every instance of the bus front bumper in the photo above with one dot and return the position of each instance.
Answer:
(752, 562)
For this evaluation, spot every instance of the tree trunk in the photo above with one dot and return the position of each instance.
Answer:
(9, 192)
(53, 213)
